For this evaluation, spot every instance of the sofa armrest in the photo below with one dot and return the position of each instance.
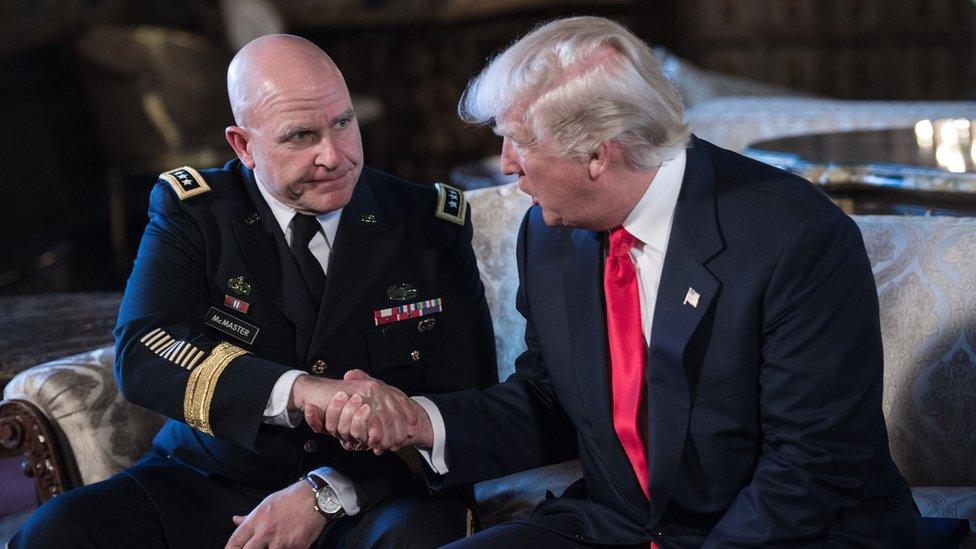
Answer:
(74, 427)
(25, 429)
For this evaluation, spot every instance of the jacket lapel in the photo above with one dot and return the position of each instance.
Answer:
(359, 254)
(586, 318)
(695, 238)
(267, 255)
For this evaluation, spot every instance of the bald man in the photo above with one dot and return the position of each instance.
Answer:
(257, 288)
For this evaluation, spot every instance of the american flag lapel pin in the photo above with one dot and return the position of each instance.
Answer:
(691, 298)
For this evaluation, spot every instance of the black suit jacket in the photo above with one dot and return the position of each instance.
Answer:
(195, 251)
(764, 401)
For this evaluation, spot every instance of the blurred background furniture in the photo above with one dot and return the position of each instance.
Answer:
(413, 58)
(37, 328)
(160, 101)
(75, 428)
(925, 170)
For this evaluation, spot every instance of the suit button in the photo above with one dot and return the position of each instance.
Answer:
(415, 356)
(656, 531)
(310, 445)
(319, 367)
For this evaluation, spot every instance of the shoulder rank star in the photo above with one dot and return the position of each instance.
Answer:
(186, 181)
(451, 205)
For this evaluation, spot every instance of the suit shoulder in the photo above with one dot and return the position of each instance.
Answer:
(750, 185)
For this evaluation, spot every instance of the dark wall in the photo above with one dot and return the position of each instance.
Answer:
(414, 57)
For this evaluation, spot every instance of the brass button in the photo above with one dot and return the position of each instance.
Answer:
(319, 367)
(426, 324)
(415, 356)
(310, 445)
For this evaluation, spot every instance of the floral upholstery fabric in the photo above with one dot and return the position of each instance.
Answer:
(735, 122)
(947, 502)
(496, 213)
(925, 269)
(104, 432)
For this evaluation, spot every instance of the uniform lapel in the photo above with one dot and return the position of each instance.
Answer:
(267, 255)
(695, 239)
(364, 243)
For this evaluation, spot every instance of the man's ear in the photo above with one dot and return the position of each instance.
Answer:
(238, 141)
(600, 159)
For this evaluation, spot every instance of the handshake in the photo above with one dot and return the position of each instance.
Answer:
(361, 412)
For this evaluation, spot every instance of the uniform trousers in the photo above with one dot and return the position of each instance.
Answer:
(196, 512)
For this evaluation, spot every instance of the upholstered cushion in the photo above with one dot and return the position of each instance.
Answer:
(925, 269)
(947, 502)
(515, 496)
(104, 431)
(735, 122)
(496, 213)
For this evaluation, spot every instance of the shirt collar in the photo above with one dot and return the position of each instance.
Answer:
(650, 220)
(284, 213)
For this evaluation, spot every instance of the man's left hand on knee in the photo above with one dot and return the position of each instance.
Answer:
(286, 518)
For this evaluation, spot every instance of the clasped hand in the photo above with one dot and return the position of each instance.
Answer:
(364, 413)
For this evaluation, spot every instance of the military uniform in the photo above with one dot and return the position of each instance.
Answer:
(216, 310)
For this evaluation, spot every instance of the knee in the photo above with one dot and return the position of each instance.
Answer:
(60, 522)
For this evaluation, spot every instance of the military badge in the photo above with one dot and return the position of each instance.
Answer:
(239, 286)
(236, 304)
(186, 181)
(451, 205)
(405, 312)
(403, 291)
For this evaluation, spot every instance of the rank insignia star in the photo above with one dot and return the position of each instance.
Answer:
(186, 182)
(451, 205)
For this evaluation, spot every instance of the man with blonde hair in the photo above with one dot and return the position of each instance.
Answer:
(702, 329)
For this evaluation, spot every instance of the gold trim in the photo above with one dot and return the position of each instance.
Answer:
(442, 199)
(202, 384)
(202, 186)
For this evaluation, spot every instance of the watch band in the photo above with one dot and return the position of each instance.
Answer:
(319, 485)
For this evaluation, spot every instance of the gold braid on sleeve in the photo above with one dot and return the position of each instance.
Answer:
(203, 383)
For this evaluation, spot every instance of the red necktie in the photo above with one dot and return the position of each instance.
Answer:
(627, 348)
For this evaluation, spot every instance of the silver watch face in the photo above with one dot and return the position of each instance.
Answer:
(328, 502)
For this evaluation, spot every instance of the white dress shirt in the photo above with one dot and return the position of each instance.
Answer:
(650, 222)
(276, 410)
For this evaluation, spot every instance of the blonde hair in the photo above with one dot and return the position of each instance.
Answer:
(583, 81)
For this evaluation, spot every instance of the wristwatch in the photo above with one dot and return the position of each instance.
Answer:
(326, 501)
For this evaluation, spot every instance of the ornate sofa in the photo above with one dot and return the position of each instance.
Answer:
(75, 428)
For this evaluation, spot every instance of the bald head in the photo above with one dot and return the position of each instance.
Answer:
(273, 64)
(295, 126)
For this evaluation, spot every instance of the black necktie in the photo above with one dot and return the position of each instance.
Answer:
(303, 228)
